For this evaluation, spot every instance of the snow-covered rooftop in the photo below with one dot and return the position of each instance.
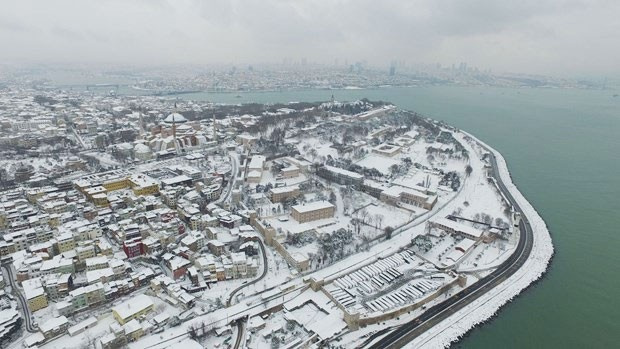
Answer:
(175, 117)
(458, 227)
(132, 306)
(343, 172)
(312, 206)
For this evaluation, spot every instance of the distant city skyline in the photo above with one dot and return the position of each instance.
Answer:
(559, 37)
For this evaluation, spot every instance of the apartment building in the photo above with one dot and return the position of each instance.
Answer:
(65, 242)
(35, 294)
(87, 296)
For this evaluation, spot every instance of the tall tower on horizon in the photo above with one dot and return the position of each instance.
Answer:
(214, 129)
(141, 121)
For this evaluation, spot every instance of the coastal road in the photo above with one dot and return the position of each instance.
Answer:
(407, 332)
(20, 298)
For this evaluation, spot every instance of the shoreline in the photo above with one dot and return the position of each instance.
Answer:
(458, 326)
(480, 325)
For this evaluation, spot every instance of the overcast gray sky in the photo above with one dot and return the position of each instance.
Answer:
(554, 37)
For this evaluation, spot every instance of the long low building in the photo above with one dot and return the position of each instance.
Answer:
(340, 176)
(313, 211)
(456, 228)
(395, 194)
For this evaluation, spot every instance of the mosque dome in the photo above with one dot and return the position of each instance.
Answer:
(141, 148)
(175, 118)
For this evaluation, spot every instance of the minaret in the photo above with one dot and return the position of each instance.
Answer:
(174, 129)
(142, 130)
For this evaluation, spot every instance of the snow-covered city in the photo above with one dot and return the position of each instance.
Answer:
(238, 174)
(152, 222)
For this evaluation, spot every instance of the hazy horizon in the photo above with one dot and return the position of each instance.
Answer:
(560, 37)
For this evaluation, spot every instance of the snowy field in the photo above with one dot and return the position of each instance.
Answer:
(379, 162)
(380, 215)
(322, 148)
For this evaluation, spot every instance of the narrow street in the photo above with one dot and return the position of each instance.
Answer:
(23, 303)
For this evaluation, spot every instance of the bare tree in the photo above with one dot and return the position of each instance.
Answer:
(379, 220)
(313, 153)
(192, 331)
(364, 215)
(357, 224)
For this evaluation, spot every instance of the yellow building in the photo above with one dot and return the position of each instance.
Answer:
(150, 190)
(291, 171)
(36, 298)
(65, 242)
(143, 185)
(117, 183)
(94, 191)
(132, 309)
(100, 200)
(133, 330)
(111, 180)
(282, 193)
(313, 211)
(54, 220)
